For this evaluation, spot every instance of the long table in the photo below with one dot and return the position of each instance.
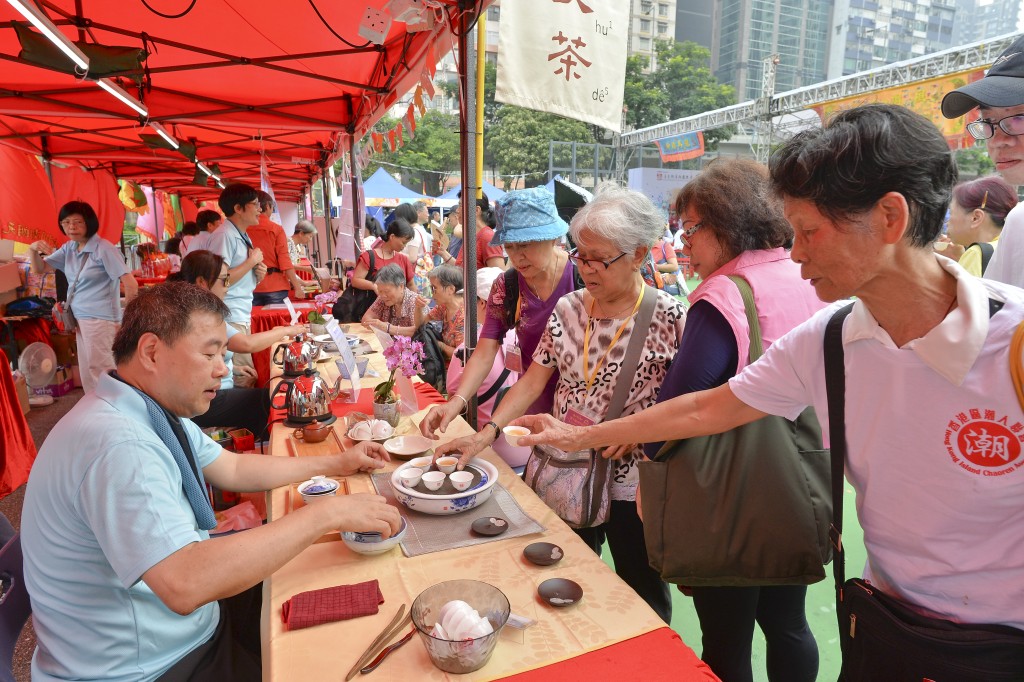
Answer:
(610, 632)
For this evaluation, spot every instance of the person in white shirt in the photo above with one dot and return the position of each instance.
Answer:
(933, 426)
(999, 101)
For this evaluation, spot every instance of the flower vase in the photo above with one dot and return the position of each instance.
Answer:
(387, 411)
(317, 329)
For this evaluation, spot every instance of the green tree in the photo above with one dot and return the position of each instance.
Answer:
(428, 159)
(973, 162)
(519, 141)
(680, 84)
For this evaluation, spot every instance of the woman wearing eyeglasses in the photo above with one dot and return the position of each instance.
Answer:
(746, 236)
(584, 345)
(247, 408)
(95, 271)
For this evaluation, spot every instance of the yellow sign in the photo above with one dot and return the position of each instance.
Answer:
(922, 97)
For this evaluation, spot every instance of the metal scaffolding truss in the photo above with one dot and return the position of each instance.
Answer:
(955, 60)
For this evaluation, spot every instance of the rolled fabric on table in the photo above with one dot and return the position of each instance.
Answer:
(330, 604)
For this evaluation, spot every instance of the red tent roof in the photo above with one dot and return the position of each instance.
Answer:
(240, 78)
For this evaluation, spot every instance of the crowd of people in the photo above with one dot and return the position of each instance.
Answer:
(601, 367)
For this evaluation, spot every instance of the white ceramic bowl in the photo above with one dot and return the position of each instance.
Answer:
(371, 543)
(318, 481)
(390, 431)
(514, 433)
(441, 505)
(408, 446)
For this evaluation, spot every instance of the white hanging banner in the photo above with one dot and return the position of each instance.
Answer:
(573, 63)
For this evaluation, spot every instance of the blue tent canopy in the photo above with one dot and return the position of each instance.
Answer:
(492, 192)
(381, 185)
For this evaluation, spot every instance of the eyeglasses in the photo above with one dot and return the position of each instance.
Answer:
(226, 279)
(983, 129)
(592, 262)
(72, 222)
(686, 233)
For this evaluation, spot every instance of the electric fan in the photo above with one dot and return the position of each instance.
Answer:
(38, 364)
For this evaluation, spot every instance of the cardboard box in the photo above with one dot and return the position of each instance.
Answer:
(66, 348)
(10, 276)
(21, 388)
(62, 384)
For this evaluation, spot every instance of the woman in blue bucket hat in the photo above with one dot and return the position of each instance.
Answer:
(609, 347)
(520, 302)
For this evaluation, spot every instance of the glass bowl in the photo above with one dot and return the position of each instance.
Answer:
(467, 655)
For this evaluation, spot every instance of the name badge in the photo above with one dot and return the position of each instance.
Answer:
(575, 417)
(514, 359)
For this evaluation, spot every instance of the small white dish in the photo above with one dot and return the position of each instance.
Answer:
(434, 479)
(408, 446)
(411, 477)
(371, 429)
(447, 464)
(461, 480)
(514, 433)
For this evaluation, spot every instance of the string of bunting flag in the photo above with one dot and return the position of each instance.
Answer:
(406, 126)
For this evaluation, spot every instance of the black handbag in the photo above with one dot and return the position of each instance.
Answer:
(747, 507)
(353, 303)
(881, 637)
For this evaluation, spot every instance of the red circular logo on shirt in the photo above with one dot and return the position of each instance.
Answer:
(987, 444)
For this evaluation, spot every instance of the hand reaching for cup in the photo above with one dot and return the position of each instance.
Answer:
(546, 430)
(465, 448)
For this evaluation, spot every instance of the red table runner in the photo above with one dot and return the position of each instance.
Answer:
(264, 321)
(426, 395)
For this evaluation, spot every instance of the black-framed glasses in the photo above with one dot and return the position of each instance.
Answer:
(983, 129)
(592, 263)
(686, 232)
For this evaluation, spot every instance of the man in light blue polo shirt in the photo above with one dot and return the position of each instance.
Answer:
(123, 575)
(240, 203)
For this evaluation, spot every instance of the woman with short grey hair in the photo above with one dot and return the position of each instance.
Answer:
(305, 233)
(446, 281)
(397, 310)
(584, 344)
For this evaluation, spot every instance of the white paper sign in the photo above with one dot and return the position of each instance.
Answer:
(572, 63)
(407, 393)
(347, 359)
(291, 311)
(384, 338)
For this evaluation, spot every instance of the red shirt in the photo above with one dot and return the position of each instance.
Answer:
(484, 250)
(269, 238)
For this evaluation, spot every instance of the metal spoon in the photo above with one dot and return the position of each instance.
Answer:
(387, 650)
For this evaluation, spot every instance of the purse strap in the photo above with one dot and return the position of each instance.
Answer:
(835, 390)
(631, 360)
(756, 348)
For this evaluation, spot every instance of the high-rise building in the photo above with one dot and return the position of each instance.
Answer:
(748, 31)
(649, 21)
(694, 21)
(980, 19)
(867, 34)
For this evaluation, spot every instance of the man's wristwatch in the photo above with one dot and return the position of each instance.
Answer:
(497, 429)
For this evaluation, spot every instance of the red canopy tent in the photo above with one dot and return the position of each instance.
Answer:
(288, 81)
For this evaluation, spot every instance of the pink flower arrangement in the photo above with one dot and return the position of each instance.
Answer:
(404, 355)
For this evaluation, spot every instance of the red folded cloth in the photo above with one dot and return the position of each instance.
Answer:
(330, 604)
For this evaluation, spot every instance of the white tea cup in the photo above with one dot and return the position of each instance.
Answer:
(411, 476)
(514, 433)
(461, 480)
(434, 479)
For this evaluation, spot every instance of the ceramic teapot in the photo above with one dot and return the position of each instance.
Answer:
(298, 355)
(313, 432)
(307, 398)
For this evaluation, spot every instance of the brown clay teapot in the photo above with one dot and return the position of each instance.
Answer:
(313, 432)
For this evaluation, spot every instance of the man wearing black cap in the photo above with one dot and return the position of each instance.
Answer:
(999, 98)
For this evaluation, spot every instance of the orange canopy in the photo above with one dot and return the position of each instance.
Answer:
(239, 79)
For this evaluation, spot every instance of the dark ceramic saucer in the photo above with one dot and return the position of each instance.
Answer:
(560, 592)
(490, 525)
(543, 553)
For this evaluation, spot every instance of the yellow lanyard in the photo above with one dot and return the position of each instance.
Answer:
(586, 339)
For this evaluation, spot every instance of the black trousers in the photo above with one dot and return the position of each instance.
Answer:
(625, 534)
(269, 297)
(234, 652)
(238, 408)
(727, 616)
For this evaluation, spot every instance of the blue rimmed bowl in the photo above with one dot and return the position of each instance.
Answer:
(442, 505)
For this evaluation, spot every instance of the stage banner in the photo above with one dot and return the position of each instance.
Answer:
(923, 98)
(571, 63)
(682, 147)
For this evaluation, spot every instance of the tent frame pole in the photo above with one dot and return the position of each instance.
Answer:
(470, 183)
